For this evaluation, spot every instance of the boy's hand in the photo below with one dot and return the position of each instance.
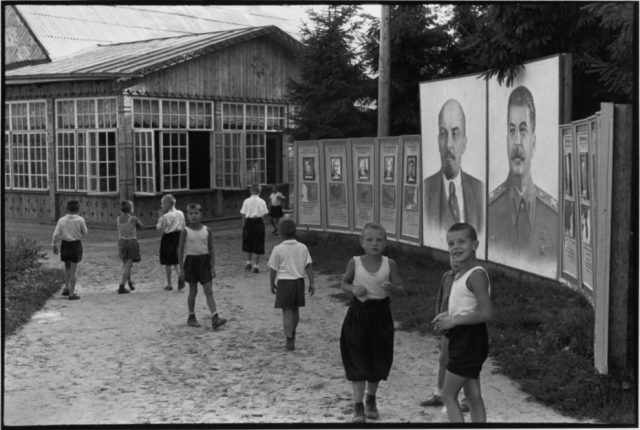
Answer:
(55, 250)
(443, 323)
(312, 289)
(273, 288)
(359, 291)
(181, 276)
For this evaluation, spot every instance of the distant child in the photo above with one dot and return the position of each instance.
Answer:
(197, 264)
(128, 246)
(170, 223)
(366, 339)
(69, 230)
(287, 264)
(464, 324)
(253, 210)
(275, 211)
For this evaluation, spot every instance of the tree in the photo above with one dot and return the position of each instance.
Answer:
(333, 85)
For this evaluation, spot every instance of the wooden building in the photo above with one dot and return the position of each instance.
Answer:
(200, 115)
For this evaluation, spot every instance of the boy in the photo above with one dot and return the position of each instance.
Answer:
(253, 209)
(197, 264)
(69, 230)
(464, 324)
(170, 223)
(287, 263)
(275, 211)
(128, 246)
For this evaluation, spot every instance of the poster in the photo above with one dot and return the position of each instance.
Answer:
(587, 138)
(411, 219)
(362, 154)
(337, 207)
(453, 122)
(308, 201)
(523, 210)
(389, 200)
(569, 246)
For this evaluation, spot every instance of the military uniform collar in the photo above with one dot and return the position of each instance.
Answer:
(526, 199)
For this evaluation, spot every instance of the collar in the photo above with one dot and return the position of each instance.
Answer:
(525, 200)
(290, 241)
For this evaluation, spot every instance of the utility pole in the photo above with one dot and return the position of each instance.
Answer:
(384, 72)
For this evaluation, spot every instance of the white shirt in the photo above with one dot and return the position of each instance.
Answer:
(463, 301)
(172, 220)
(196, 242)
(275, 198)
(289, 259)
(457, 181)
(69, 227)
(254, 207)
(372, 281)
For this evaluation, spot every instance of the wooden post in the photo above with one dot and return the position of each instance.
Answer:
(384, 71)
(126, 166)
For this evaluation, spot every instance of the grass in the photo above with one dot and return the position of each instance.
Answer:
(541, 334)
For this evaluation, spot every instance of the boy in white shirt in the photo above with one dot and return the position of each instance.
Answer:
(170, 223)
(69, 229)
(253, 210)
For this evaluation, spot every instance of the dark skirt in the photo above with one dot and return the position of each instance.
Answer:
(468, 349)
(276, 212)
(253, 236)
(197, 268)
(169, 248)
(366, 340)
(71, 251)
(290, 293)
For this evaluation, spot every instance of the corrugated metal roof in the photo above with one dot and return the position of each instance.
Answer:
(139, 58)
(64, 29)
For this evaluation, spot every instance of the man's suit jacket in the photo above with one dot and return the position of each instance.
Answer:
(437, 212)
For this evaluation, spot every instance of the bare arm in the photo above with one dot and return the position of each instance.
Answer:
(272, 280)
(183, 235)
(478, 283)
(211, 251)
(312, 287)
(395, 284)
(347, 281)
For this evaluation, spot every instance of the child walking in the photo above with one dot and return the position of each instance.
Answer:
(68, 232)
(197, 264)
(170, 223)
(464, 324)
(128, 246)
(275, 211)
(366, 338)
(253, 210)
(287, 264)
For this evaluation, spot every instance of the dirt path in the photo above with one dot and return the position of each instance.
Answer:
(131, 359)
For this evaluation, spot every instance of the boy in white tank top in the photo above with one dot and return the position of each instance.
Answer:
(464, 323)
(197, 264)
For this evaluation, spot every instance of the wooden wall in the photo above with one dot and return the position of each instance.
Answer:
(29, 205)
(20, 47)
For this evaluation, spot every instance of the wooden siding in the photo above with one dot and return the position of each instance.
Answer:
(257, 70)
(20, 46)
(63, 90)
(29, 205)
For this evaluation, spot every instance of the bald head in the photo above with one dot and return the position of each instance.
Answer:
(452, 139)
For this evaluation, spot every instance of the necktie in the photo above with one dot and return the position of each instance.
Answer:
(453, 202)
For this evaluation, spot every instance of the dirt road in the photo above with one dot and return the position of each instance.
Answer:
(131, 359)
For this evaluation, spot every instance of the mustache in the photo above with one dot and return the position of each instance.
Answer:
(450, 154)
(518, 152)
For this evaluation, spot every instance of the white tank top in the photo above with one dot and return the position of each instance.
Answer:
(461, 300)
(197, 241)
(372, 281)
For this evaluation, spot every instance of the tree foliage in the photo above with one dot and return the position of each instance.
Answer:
(333, 85)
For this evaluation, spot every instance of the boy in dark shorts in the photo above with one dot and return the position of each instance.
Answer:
(253, 210)
(275, 210)
(128, 246)
(287, 264)
(170, 223)
(464, 324)
(69, 230)
(197, 264)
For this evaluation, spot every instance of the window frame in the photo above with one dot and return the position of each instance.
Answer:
(147, 164)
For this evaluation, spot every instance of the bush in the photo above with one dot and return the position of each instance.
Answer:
(20, 254)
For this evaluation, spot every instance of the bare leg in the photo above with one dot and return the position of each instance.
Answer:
(358, 391)
(126, 272)
(257, 259)
(208, 294)
(443, 359)
(167, 271)
(72, 277)
(296, 319)
(191, 298)
(288, 321)
(67, 274)
(474, 396)
(450, 390)
(372, 388)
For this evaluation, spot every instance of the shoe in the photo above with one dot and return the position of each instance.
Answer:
(131, 286)
(247, 266)
(168, 288)
(464, 405)
(74, 297)
(122, 290)
(256, 270)
(291, 345)
(370, 407)
(433, 401)
(180, 285)
(358, 413)
(65, 291)
(192, 321)
(216, 321)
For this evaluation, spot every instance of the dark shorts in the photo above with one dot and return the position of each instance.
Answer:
(366, 340)
(253, 236)
(468, 349)
(197, 268)
(276, 212)
(290, 293)
(71, 251)
(129, 249)
(169, 248)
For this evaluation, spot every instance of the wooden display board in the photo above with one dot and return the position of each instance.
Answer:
(390, 167)
(365, 200)
(308, 185)
(411, 219)
(337, 177)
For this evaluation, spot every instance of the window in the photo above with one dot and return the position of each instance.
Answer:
(102, 163)
(228, 158)
(255, 150)
(174, 161)
(144, 158)
(232, 116)
(146, 113)
(174, 114)
(66, 114)
(107, 113)
(66, 156)
(238, 116)
(86, 110)
(254, 117)
(275, 118)
(7, 160)
(200, 115)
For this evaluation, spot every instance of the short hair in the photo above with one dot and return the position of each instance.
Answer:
(521, 96)
(373, 226)
(125, 206)
(169, 198)
(73, 206)
(463, 226)
(287, 228)
(192, 206)
(254, 189)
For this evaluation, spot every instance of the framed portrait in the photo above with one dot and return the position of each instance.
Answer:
(363, 168)
(389, 168)
(336, 168)
(568, 186)
(411, 198)
(308, 169)
(584, 176)
(412, 161)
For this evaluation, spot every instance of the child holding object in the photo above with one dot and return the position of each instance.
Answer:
(287, 264)
(128, 246)
(197, 264)
(366, 338)
(69, 230)
(465, 326)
